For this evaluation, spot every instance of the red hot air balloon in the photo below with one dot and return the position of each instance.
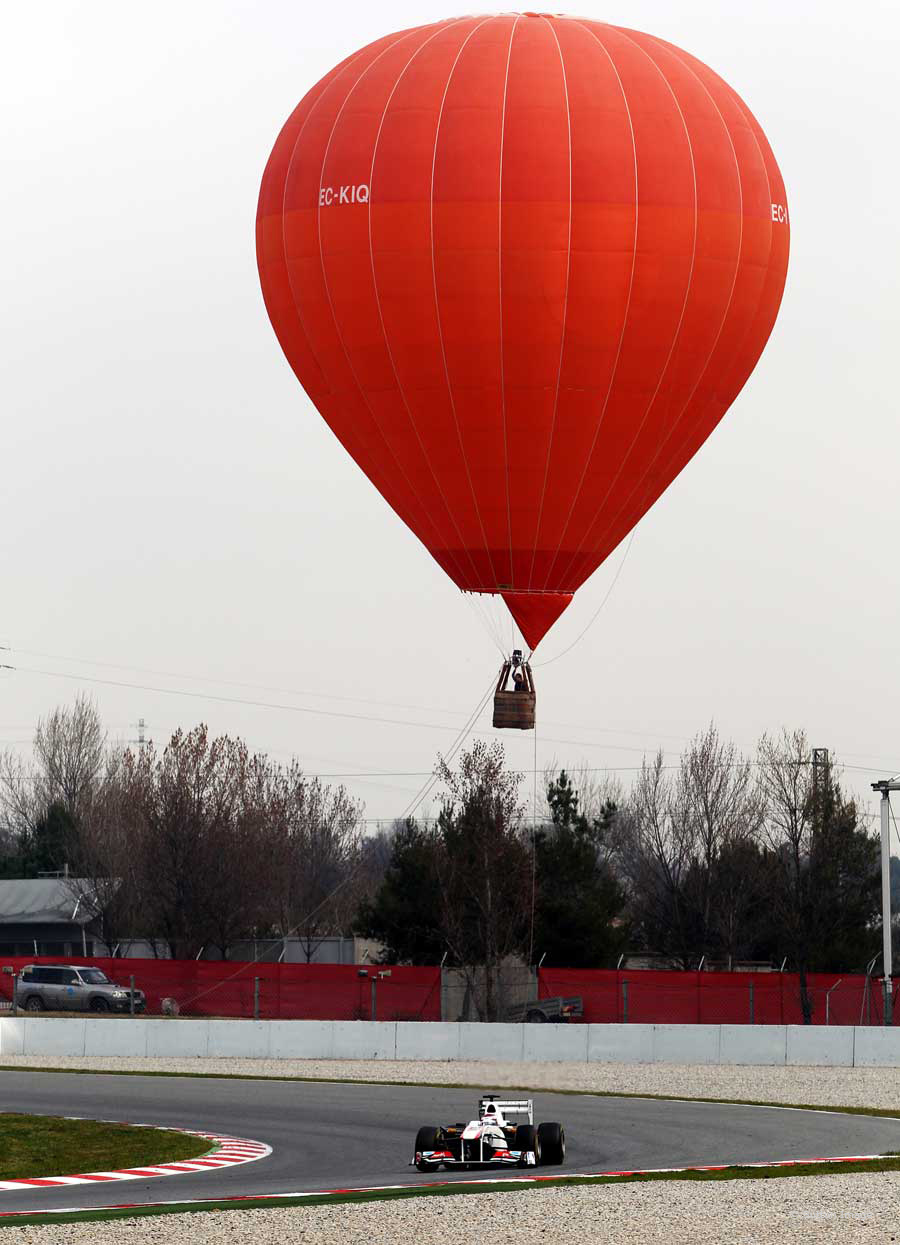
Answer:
(522, 265)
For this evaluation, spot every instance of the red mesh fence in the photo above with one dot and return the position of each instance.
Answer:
(269, 991)
(337, 992)
(645, 996)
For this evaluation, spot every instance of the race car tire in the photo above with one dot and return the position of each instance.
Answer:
(553, 1142)
(528, 1139)
(426, 1139)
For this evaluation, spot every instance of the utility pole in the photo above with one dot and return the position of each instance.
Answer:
(819, 769)
(886, 786)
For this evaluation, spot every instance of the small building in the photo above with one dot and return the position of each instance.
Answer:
(45, 916)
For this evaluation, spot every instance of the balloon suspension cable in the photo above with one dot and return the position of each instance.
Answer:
(533, 850)
(458, 742)
(598, 610)
(486, 620)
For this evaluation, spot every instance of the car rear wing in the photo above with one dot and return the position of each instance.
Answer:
(517, 1106)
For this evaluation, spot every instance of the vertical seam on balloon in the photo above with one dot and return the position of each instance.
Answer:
(562, 336)
(580, 486)
(315, 103)
(678, 327)
(611, 526)
(441, 28)
(437, 305)
(512, 34)
(741, 108)
(340, 336)
(301, 320)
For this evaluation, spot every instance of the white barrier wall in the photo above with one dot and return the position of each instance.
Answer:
(832, 1046)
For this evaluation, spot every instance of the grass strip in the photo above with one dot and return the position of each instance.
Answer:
(886, 1164)
(884, 1112)
(45, 1145)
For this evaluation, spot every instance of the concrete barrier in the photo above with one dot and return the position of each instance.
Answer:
(248, 1039)
(106, 1036)
(43, 1037)
(620, 1043)
(165, 1037)
(686, 1044)
(300, 1039)
(500, 1042)
(364, 1039)
(876, 1048)
(441, 1040)
(12, 1036)
(551, 1043)
(749, 1044)
(826, 1046)
(832, 1046)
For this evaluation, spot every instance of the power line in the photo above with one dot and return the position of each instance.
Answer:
(361, 717)
(203, 678)
(306, 709)
(232, 700)
(882, 763)
(287, 691)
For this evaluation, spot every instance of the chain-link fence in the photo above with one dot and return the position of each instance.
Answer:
(263, 991)
(646, 996)
(268, 991)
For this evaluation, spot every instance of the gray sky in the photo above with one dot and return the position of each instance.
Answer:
(171, 501)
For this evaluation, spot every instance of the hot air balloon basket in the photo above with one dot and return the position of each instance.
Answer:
(514, 710)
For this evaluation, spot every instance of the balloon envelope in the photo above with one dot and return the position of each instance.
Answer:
(522, 265)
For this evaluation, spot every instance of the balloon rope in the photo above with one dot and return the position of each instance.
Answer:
(533, 849)
(609, 590)
(486, 620)
(461, 738)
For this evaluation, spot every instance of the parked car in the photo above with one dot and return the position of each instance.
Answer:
(491, 1140)
(72, 988)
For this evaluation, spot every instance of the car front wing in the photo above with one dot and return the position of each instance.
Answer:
(501, 1158)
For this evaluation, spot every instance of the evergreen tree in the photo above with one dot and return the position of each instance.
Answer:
(50, 846)
(579, 901)
(405, 913)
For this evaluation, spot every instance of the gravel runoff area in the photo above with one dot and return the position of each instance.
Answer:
(860, 1209)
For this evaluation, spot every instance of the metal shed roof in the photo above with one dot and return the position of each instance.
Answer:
(25, 901)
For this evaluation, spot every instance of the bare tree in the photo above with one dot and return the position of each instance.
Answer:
(655, 855)
(681, 838)
(43, 801)
(485, 868)
(184, 821)
(240, 863)
(20, 810)
(786, 788)
(718, 805)
(69, 749)
(824, 865)
(108, 882)
(317, 848)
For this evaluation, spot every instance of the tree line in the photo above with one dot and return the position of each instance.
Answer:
(716, 859)
(193, 848)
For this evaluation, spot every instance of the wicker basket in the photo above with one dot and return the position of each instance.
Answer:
(514, 710)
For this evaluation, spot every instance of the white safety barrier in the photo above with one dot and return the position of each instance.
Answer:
(831, 1046)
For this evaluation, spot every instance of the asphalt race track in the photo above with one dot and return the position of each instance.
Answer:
(327, 1135)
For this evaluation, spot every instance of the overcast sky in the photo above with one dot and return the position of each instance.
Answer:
(176, 515)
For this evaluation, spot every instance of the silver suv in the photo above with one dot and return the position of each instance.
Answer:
(72, 988)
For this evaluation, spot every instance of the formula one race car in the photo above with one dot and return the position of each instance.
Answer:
(491, 1139)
